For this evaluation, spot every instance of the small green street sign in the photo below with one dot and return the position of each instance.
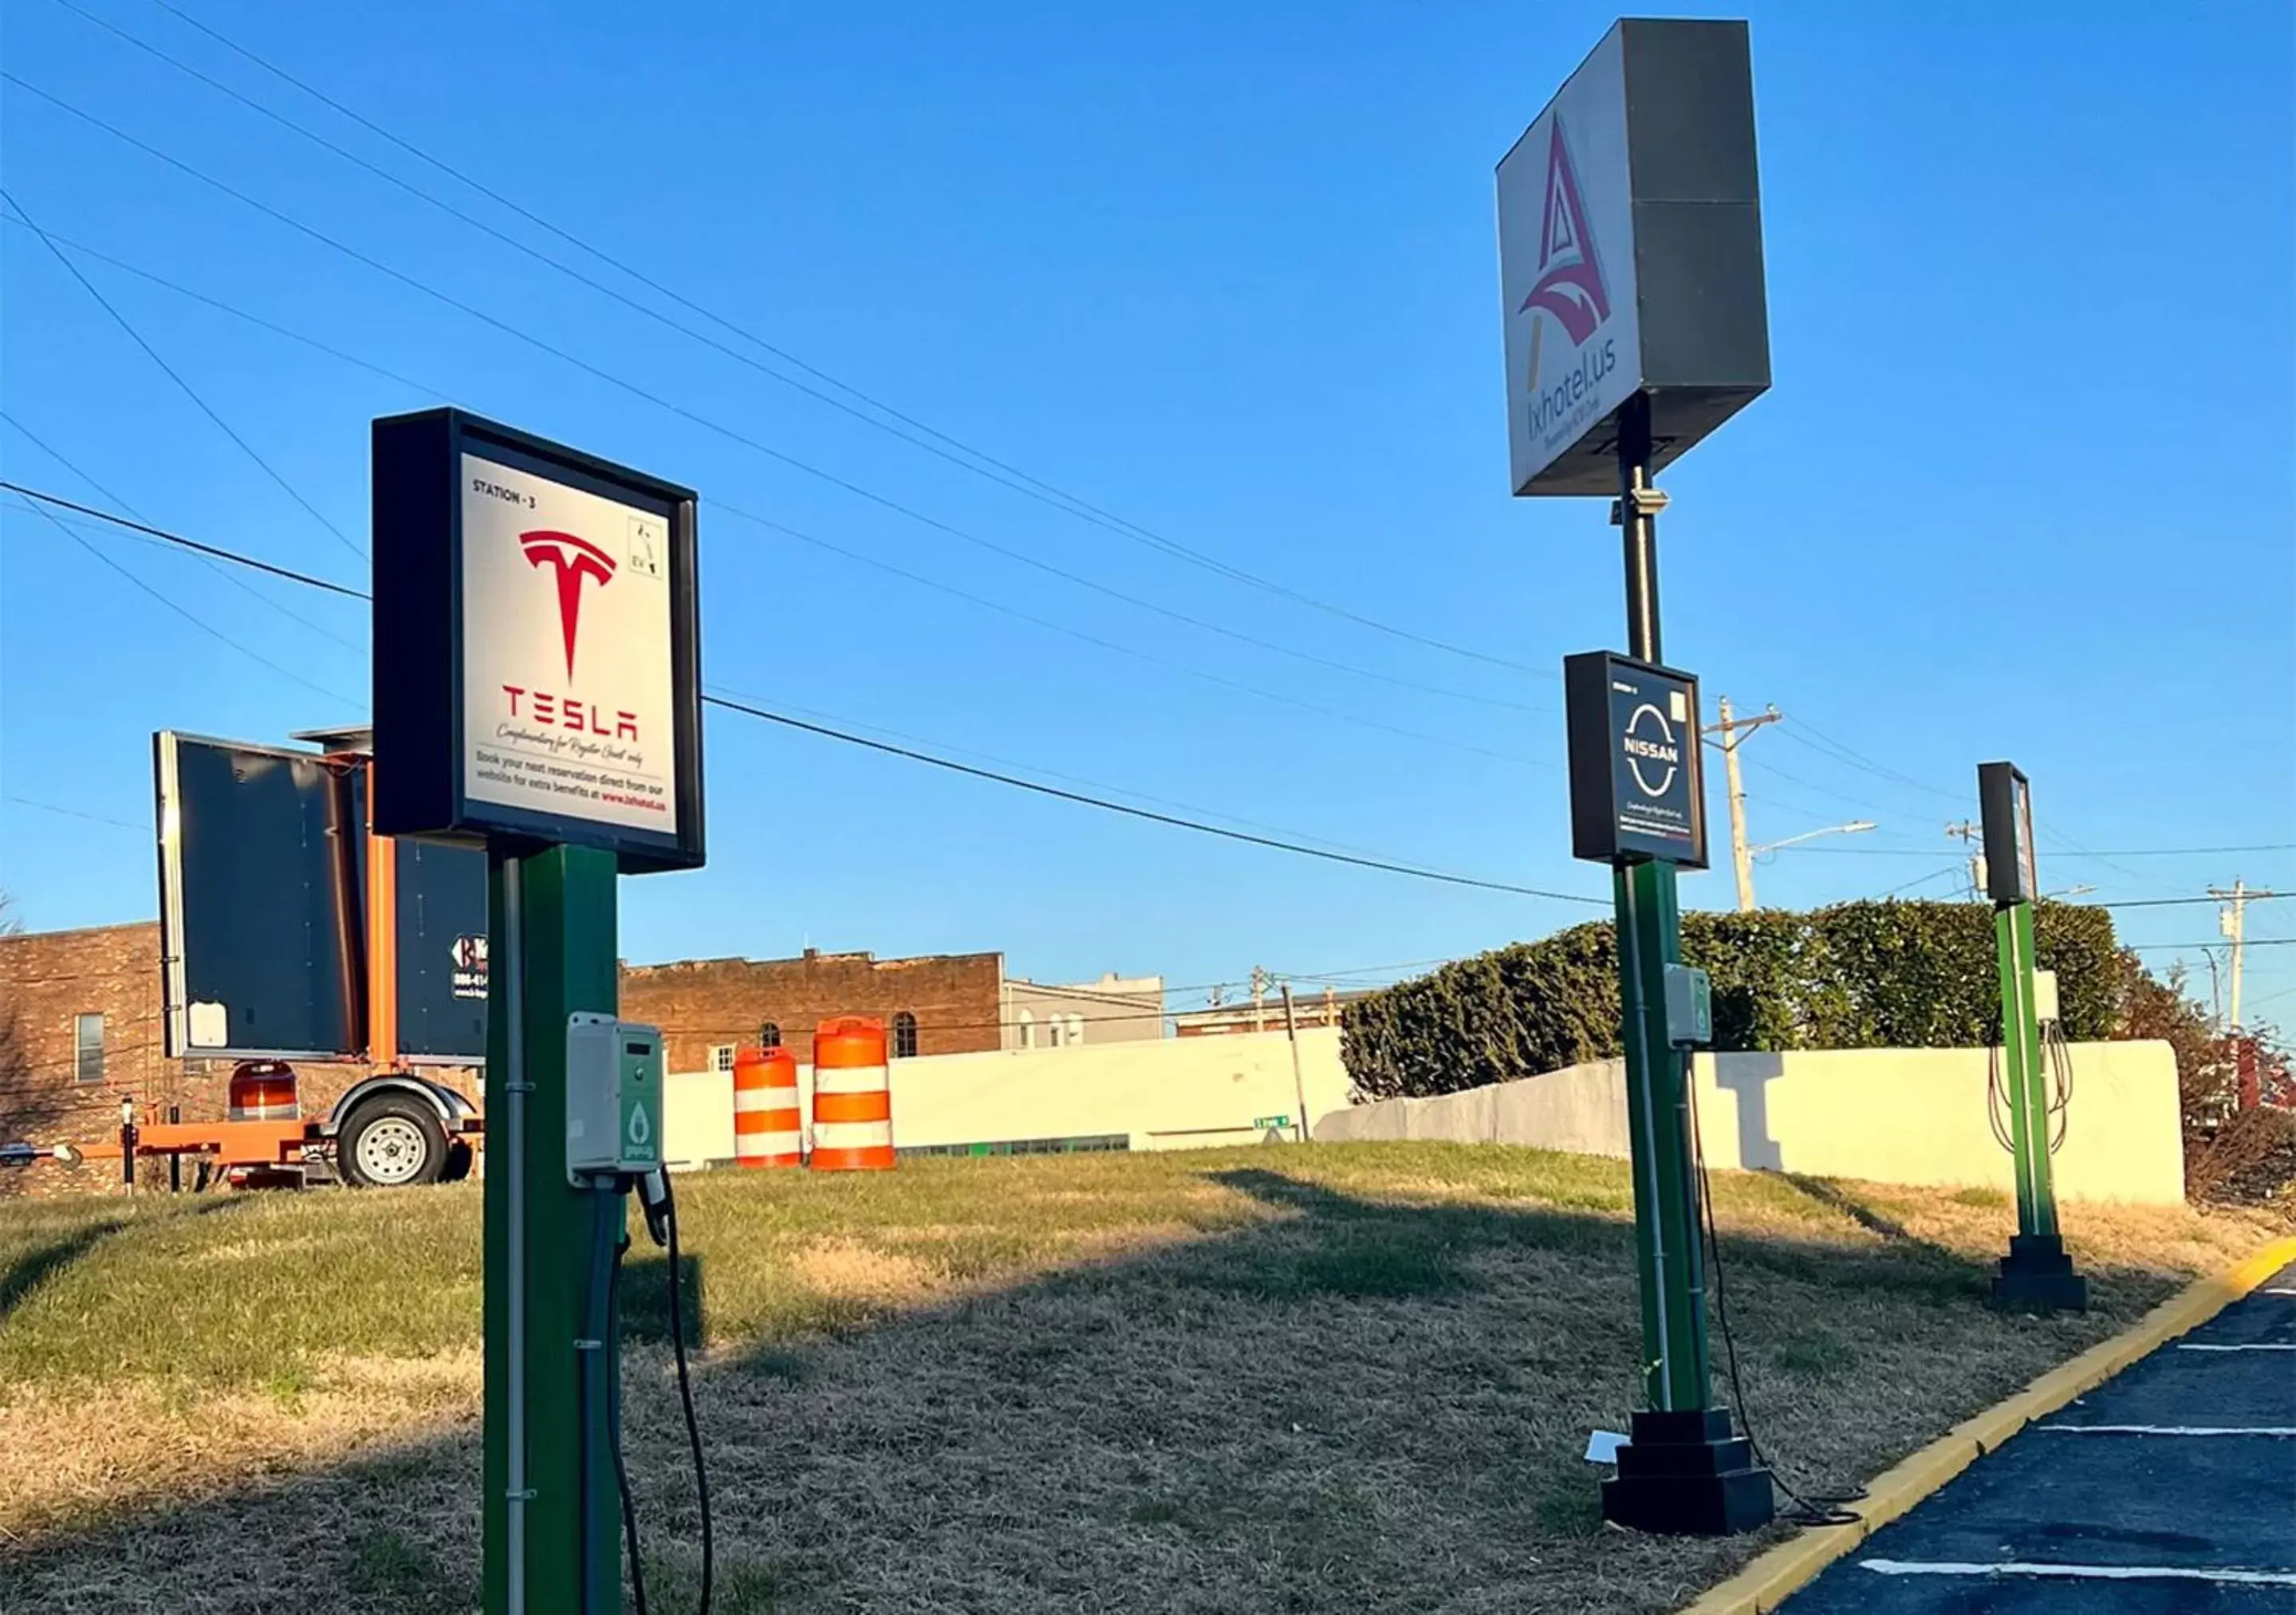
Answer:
(1265, 1122)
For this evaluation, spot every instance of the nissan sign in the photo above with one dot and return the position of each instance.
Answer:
(1637, 789)
(537, 644)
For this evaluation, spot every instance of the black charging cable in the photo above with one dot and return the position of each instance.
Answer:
(659, 1201)
(614, 1406)
(1823, 1509)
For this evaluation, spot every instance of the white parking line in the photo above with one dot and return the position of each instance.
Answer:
(2082, 1572)
(2177, 1430)
(2255, 1346)
(2276, 1293)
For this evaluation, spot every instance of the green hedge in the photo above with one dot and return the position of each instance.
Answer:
(1858, 975)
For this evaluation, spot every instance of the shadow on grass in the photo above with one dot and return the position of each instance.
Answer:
(29, 1269)
(1353, 1404)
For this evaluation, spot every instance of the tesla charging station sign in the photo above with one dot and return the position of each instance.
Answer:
(1630, 254)
(536, 666)
(1636, 789)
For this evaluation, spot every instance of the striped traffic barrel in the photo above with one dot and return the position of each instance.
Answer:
(263, 1090)
(852, 1096)
(766, 1116)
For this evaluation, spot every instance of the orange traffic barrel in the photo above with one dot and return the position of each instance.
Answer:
(766, 1116)
(263, 1090)
(852, 1096)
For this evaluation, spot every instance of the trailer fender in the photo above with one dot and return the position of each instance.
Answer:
(452, 1108)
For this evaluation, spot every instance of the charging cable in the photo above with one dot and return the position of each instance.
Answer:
(661, 1205)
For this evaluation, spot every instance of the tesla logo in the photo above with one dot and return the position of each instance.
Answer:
(1569, 284)
(575, 559)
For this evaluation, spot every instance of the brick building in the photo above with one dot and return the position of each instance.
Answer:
(80, 1030)
(945, 1005)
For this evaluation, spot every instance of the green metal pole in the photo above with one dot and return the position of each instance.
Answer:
(2021, 1050)
(552, 919)
(1675, 1370)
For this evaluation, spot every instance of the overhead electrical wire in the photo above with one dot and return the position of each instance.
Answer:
(909, 513)
(175, 375)
(212, 565)
(197, 621)
(1011, 476)
(1298, 848)
(922, 579)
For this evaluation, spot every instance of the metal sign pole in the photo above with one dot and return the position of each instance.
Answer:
(1683, 1471)
(1675, 1364)
(2036, 1275)
(553, 952)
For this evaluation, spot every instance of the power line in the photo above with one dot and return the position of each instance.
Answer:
(909, 513)
(861, 558)
(178, 539)
(175, 375)
(220, 571)
(1018, 783)
(950, 764)
(74, 812)
(1013, 476)
(201, 623)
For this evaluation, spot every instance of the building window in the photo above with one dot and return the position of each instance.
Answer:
(1027, 1029)
(905, 1036)
(721, 1057)
(87, 1047)
(769, 1035)
(1076, 1031)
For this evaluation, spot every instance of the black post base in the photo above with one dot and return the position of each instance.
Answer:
(2038, 1276)
(1685, 1474)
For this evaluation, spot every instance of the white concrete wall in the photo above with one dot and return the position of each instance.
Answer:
(1173, 1093)
(1909, 1116)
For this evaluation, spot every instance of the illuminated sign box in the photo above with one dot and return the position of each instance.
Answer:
(1638, 786)
(2005, 802)
(1630, 254)
(537, 645)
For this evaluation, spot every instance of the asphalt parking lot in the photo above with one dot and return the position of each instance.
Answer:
(2168, 1488)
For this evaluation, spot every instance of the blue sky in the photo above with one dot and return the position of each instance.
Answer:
(2023, 486)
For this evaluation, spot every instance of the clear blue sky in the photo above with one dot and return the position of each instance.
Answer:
(2023, 488)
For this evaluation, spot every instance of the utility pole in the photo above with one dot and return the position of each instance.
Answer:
(1299, 1081)
(1259, 999)
(2232, 919)
(1971, 836)
(1733, 731)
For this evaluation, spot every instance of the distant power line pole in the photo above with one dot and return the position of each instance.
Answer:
(1733, 731)
(1972, 836)
(1259, 999)
(2232, 919)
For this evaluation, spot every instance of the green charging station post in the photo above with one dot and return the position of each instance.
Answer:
(536, 691)
(2036, 1275)
(1631, 281)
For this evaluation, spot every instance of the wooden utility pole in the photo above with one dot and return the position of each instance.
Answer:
(1971, 836)
(2232, 919)
(1733, 730)
(1299, 1082)
(1259, 999)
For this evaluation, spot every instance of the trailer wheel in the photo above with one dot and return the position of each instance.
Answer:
(390, 1141)
(458, 1161)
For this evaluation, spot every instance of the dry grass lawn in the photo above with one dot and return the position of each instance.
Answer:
(1346, 1379)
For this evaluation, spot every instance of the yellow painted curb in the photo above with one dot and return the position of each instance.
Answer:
(1765, 1584)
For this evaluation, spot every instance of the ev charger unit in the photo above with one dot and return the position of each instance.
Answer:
(614, 1097)
(1689, 1007)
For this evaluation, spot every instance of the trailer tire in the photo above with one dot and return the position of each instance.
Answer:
(458, 1161)
(389, 1142)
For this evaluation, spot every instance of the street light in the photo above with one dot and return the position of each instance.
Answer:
(1854, 827)
(1746, 870)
